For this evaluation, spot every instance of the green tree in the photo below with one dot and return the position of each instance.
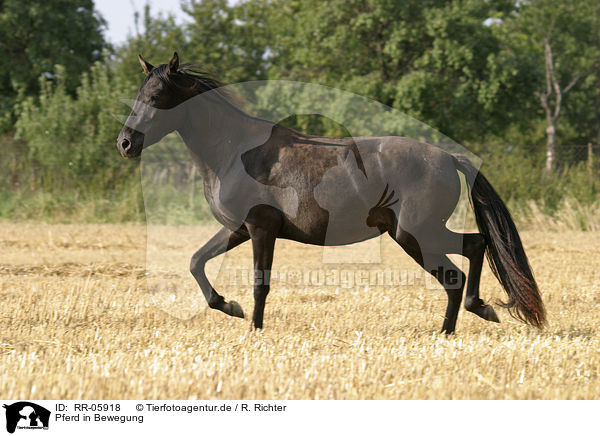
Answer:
(229, 41)
(158, 38)
(558, 39)
(72, 139)
(438, 61)
(36, 35)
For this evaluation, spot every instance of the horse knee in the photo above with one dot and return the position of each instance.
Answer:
(197, 264)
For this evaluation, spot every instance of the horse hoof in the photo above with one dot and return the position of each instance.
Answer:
(234, 309)
(490, 314)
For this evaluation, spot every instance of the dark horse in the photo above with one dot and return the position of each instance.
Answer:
(264, 181)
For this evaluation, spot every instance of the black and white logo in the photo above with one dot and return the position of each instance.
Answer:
(26, 415)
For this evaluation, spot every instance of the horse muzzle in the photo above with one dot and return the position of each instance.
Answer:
(130, 144)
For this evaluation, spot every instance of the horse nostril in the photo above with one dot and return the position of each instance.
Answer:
(125, 144)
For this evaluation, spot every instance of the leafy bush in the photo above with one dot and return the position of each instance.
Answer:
(519, 178)
(72, 140)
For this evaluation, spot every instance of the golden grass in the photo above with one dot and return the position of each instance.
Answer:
(78, 321)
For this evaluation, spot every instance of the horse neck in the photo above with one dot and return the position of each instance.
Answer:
(215, 132)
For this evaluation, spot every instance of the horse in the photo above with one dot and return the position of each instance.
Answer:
(265, 181)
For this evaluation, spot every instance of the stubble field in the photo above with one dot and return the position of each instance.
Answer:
(81, 318)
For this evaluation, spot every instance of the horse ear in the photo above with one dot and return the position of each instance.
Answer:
(174, 63)
(146, 66)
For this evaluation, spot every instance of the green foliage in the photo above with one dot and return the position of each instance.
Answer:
(518, 177)
(468, 68)
(229, 41)
(171, 184)
(573, 32)
(35, 36)
(65, 161)
(72, 139)
(121, 205)
(160, 38)
(435, 60)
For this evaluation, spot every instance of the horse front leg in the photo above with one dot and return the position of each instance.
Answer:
(220, 243)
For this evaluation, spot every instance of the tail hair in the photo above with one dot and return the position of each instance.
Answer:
(504, 249)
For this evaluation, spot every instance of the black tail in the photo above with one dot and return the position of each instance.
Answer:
(504, 249)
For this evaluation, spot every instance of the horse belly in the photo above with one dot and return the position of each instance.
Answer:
(315, 225)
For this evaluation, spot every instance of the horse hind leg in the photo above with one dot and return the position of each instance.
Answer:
(472, 246)
(442, 269)
(453, 281)
(263, 224)
(474, 249)
(223, 241)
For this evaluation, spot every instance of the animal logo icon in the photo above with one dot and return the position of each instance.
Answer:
(26, 415)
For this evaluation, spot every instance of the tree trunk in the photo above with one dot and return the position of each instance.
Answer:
(553, 88)
(550, 147)
(597, 65)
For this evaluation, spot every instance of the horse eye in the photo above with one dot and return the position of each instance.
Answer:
(154, 98)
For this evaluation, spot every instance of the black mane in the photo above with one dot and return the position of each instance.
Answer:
(188, 79)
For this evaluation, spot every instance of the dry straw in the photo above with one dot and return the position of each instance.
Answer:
(78, 322)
